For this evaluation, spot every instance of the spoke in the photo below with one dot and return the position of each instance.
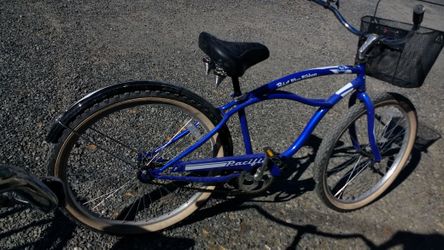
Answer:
(178, 145)
(175, 145)
(143, 201)
(342, 166)
(131, 210)
(392, 136)
(160, 191)
(391, 130)
(178, 132)
(129, 188)
(383, 129)
(107, 152)
(349, 176)
(149, 197)
(395, 126)
(115, 156)
(354, 177)
(90, 140)
(167, 190)
(343, 155)
(348, 149)
(384, 147)
(114, 140)
(137, 209)
(109, 193)
(163, 147)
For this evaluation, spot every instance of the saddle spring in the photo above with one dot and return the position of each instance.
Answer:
(219, 72)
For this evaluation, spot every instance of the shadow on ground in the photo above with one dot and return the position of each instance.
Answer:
(58, 232)
(60, 229)
(404, 239)
(291, 187)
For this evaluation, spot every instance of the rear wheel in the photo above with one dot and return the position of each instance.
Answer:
(347, 177)
(100, 156)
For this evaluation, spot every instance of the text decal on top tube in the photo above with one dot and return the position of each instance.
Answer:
(292, 80)
(340, 69)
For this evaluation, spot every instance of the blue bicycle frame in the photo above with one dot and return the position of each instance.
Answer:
(269, 92)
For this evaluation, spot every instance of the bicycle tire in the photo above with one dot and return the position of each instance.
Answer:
(174, 98)
(335, 192)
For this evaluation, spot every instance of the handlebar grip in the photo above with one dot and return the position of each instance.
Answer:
(418, 15)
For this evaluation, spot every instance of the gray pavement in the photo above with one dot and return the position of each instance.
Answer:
(54, 52)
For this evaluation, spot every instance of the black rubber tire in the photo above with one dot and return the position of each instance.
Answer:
(173, 95)
(28, 187)
(335, 134)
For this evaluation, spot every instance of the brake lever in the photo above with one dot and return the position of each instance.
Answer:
(371, 39)
(335, 2)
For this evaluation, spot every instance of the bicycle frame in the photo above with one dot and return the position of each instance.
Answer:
(270, 91)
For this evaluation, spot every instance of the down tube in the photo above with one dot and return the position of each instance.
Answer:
(300, 141)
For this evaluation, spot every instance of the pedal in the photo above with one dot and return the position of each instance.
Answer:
(272, 161)
(269, 152)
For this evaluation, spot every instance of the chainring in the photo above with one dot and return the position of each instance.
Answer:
(256, 181)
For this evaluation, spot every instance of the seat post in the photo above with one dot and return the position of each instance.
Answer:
(236, 87)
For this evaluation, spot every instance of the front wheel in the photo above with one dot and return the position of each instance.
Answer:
(347, 176)
(102, 154)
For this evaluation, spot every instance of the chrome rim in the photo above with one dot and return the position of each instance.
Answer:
(352, 175)
(102, 162)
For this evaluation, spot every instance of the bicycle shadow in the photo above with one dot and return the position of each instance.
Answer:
(290, 187)
(289, 184)
(425, 138)
(404, 239)
(61, 229)
(57, 233)
(153, 241)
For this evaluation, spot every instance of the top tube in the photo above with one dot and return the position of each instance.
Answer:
(307, 74)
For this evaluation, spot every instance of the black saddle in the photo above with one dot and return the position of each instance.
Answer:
(233, 57)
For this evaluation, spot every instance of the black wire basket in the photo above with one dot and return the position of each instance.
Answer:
(408, 64)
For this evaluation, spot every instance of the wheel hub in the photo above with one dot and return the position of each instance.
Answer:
(145, 166)
(144, 176)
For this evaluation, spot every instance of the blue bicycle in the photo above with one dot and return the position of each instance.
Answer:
(141, 156)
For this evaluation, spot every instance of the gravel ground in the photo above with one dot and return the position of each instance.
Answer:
(54, 52)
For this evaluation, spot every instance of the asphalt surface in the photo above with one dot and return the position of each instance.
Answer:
(54, 52)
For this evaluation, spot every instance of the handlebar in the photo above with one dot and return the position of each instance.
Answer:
(395, 43)
(418, 15)
(334, 8)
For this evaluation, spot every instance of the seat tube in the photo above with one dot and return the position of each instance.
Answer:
(245, 131)
(242, 118)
